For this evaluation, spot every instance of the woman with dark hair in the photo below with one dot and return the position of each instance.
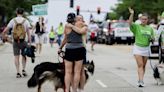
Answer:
(143, 35)
(74, 53)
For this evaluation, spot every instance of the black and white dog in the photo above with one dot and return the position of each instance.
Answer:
(54, 72)
(159, 74)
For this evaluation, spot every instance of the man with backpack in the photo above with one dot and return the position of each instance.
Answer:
(20, 26)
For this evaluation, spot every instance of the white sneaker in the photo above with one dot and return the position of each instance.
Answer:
(141, 84)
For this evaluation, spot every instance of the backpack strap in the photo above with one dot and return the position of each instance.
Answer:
(19, 23)
(15, 21)
(23, 21)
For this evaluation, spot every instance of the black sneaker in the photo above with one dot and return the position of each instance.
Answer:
(24, 73)
(18, 75)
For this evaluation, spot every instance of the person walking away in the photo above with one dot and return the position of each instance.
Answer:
(20, 26)
(93, 28)
(52, 36)
(60, 31)
(143, 34)
(39, 34)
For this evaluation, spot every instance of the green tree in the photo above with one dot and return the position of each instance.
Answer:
(8, 7)
(152, 7)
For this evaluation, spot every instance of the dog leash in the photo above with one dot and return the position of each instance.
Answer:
(61, 55)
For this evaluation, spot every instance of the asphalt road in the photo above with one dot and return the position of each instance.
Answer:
(115, 70)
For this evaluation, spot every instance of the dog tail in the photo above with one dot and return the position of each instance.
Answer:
(32, 82)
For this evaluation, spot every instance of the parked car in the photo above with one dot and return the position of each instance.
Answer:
(103, 30)
(119, 32)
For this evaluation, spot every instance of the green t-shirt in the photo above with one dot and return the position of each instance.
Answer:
(52, 35)
(60, 30)
(142, 34)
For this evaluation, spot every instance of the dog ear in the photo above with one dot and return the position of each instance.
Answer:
(87, 62)
(92, 62)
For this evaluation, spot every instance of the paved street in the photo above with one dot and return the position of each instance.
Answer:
(115, 70)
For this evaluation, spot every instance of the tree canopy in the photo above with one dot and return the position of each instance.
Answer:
(8, 7)
(152, 7)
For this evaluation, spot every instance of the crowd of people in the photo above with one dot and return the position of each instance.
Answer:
(74, 37)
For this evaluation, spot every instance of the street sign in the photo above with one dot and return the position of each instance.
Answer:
(40, 9)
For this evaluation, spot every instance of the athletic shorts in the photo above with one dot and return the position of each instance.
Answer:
(143, 51)
(93, 38)
(39, 39)
(52, 40)
(85, 57)
(19, 48)
(74, 54)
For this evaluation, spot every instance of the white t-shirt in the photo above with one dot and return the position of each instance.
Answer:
(19, 19)
(93, 27)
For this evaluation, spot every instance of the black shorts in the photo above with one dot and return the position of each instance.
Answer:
(85, 57)
(74, 54)
(94, 39)
(52, 40)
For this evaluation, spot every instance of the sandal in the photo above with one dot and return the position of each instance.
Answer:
(24, 73)
(18, 75)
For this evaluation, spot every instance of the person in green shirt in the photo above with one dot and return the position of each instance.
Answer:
(52, 36)
(60, 31)
(143, 35)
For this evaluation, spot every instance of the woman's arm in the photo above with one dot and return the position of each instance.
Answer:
(64, 39)
(131, 16)
(33, 28)
(78, 30)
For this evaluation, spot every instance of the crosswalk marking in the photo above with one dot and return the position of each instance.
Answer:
(101, 83)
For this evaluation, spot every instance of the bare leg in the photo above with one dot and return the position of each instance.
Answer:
(37, 47)
(145, 62)
(68, 75)
(82, 79)
(40, 48)
(23, 62)
(140, 64)
(77, 73)
(17, 64)
(92, 45)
